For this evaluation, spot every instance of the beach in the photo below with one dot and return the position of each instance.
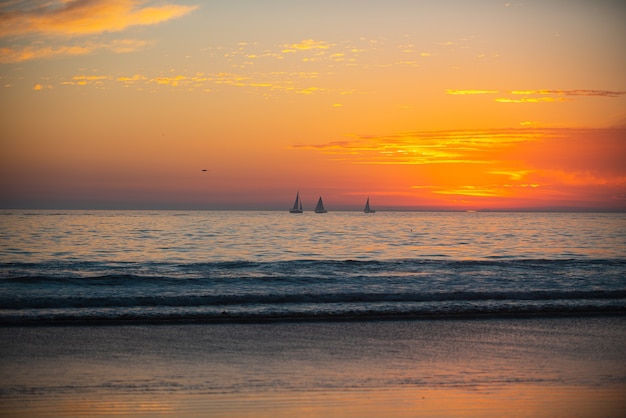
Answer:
(535, 366)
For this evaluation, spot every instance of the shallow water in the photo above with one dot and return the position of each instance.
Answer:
(495, 367)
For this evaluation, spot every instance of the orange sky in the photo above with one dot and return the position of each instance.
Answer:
(417, 104)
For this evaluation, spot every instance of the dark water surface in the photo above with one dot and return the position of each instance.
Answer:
(111, 267)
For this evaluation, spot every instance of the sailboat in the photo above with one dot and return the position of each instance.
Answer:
(297, 205)
(367, 207)
(320, 206)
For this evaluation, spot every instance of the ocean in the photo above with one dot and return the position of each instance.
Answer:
(345, 314)
(114, 267)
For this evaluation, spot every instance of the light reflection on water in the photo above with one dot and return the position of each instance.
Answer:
(194, 236)
(524, 399)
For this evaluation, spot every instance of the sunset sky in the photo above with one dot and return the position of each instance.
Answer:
(462, 105)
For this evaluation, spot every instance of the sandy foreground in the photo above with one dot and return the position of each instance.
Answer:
(435, 368)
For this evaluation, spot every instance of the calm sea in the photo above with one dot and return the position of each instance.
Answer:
(151, 266)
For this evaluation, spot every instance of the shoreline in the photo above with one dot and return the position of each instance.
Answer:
(294, 319)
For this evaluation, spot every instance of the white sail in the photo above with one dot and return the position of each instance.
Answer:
(297, 205)
(320, 206)
(367, 207)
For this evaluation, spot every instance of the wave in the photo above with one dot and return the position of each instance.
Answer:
(81, 291)
(443, 312)
(68, 270)
(116, 301)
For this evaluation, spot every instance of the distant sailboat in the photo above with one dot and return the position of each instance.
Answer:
(297, 205)
(367, 207)
(320, 206)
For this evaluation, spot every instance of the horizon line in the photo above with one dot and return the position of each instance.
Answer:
(378, 209)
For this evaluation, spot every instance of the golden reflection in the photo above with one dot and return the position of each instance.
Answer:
(524, 399)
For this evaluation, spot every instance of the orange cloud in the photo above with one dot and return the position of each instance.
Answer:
(603, 93)
(556, 95)
(76, 17)
(254, 82)
(13, 55)
(307, 44)
(27, 53)
(544, 95)
(427, 147)
(42, 31)
(531, 100)
(38, 87)
(498, 167)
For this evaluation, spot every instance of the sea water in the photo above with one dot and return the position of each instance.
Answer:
(143, 266)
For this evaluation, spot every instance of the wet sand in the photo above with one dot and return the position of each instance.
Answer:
(480, 367)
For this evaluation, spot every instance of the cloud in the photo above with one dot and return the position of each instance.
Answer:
(427, 147)
(38, 87)
(306, 45)
(544, 94)
(124, 46)
(517, 156)
(255, 83)
(531, 99)
(556, 166)
(13, 55)
(83, 17)
(603, 93)
(32, 30)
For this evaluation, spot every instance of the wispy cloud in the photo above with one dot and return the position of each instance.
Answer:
(76, 17)
(603, 93)
(531, 99)
(287, 82)
(31, 30)
(13, 55)
(306, 45)
(538, 96)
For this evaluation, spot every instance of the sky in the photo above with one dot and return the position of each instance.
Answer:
(420, 105)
